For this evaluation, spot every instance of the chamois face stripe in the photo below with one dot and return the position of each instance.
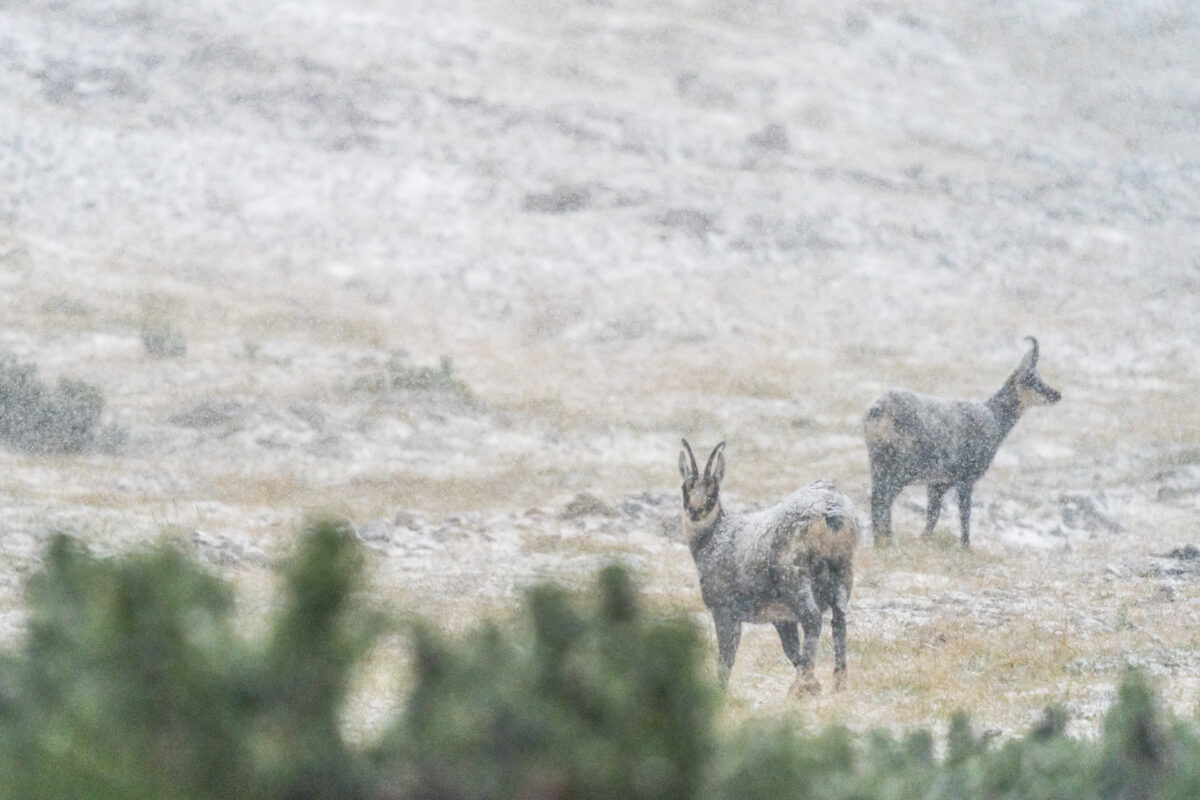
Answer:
(1033, 391)
(700, 497)
(699, 511)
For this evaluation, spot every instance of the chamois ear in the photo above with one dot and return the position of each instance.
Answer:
(686, 459)
(715, 468)
(1029, 362)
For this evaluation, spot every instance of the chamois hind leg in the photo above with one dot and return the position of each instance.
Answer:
(963, 490)
(936, 492)
(729, 634)
(810, 620)
(789, 635)
(838, 624)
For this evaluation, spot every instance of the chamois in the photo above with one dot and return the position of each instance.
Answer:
(784, 565)
(915, 438)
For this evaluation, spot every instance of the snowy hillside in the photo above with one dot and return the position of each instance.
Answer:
(446, 267)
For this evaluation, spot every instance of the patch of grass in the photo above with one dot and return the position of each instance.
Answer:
(285, 321)
(267, 490)
(947, 663)
(399, 374)
(578, 545)
(518, 486)
(937, 555)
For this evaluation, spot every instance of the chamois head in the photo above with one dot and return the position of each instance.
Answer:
(1031, 391)
(701, 493)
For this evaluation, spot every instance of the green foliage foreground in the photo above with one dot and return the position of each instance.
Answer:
(134, 682)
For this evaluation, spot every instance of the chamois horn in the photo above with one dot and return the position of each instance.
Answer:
(691, 458)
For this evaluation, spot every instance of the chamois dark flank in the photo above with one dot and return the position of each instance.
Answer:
(915, 438)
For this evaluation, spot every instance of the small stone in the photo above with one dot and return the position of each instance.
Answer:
(587, 505)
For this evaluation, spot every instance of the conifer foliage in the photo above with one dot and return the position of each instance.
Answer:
(133, 681)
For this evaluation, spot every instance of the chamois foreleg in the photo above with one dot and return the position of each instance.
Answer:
(789, 635)
(936, 492)
(729, 634)
(884, 490)
(963, 490)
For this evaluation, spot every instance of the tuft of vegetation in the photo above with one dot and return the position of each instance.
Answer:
(134, 681)
(400, 375)
(161, 339)
(38, 418)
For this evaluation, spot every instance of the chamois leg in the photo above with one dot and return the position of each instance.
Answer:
(810, 621)
(936, 492)
(963, 491)
(838, 624)
(883, 494)
(729, 634)
(789, 635)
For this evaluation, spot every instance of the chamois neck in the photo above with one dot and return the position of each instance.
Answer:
(700, 533)
(1005, 406)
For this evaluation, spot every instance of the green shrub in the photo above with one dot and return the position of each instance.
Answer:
(595, 700)
(1141, 755)
(134, 682)
(37, 418)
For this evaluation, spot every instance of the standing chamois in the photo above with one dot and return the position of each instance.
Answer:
(784, 565)
(915, 438)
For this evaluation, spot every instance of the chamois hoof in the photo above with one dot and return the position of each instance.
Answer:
(804, 685)
(839, 680)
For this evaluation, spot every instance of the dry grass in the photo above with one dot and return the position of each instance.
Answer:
(918, 655)
(261, 489)
(948, 664)
(576, 546)
(933, 629)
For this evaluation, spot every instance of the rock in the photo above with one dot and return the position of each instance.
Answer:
(225, 550)
(1083, 512)
(560, 200)
(403, 519)
(1186, 553)
(208, 413)
(377, 530)
(773, 137)
(587, 505)
(689, 220)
